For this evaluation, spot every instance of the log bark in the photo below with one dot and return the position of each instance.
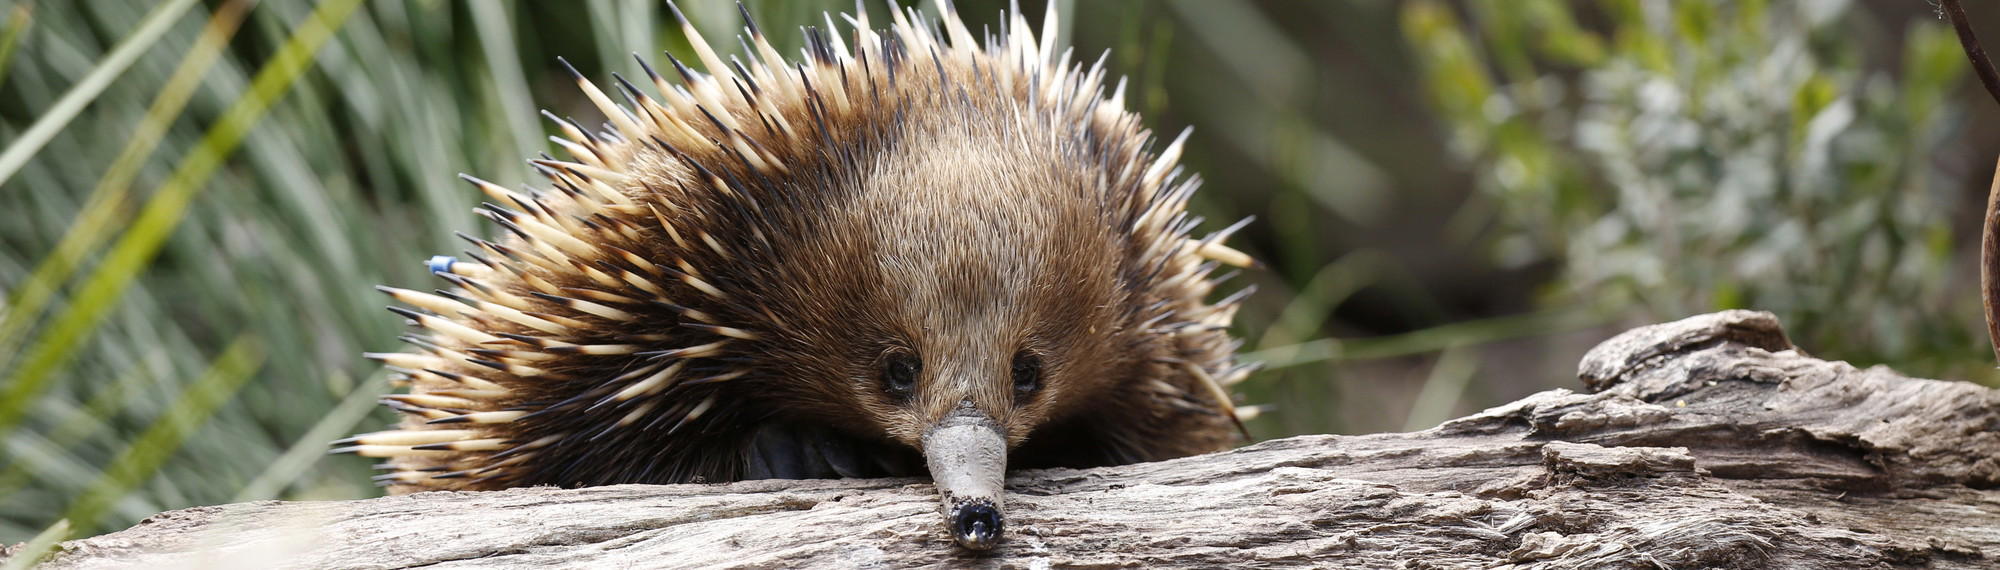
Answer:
(1709, 442)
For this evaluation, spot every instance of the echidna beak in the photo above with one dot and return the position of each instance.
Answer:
(967, 454)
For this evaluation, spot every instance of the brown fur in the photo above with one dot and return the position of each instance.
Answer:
(964, 206)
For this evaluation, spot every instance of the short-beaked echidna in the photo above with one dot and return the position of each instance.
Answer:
(908, 251)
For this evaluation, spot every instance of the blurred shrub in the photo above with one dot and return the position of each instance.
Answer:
(1682, 157)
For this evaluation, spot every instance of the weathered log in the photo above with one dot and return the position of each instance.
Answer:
(1709, 442)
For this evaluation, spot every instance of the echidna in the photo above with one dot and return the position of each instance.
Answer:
(907, 252)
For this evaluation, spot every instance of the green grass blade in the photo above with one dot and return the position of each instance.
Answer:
(55, 118)
(135, 249)
(36, 548)
(98, 218)
(1443, 388)
(510, 83)
(311, 447)
(73, 428)
(152, 448)
(10, 38)
(1462, 333)
(1314, 303)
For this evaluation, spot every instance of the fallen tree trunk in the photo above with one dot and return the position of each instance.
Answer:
(1708, 443)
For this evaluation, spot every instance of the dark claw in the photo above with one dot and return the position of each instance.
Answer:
(976, 526)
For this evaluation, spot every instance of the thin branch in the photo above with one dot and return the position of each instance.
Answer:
(1980, 64)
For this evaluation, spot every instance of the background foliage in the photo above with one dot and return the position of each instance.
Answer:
(1702, 155)
(1454, 200)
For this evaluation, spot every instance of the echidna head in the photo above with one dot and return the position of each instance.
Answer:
(973, 291)
(993, 283)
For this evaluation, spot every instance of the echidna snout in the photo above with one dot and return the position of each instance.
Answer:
(967, 455)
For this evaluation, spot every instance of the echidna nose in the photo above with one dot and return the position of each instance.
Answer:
(976, 526)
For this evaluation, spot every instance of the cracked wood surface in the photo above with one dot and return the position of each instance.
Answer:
(1707, 443)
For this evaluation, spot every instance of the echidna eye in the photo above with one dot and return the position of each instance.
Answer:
(1027, 373)
(899, 375)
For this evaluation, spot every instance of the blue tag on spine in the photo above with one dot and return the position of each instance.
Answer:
(440, 263)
